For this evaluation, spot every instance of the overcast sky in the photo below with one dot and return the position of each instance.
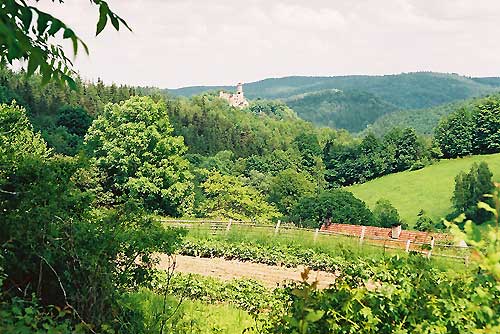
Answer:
(178, 43)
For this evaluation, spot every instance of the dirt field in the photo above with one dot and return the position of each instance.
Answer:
(270, 276)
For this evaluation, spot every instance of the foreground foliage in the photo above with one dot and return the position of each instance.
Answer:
(384, 300)
(57, 247)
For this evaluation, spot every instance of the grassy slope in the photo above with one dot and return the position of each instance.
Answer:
(430, 188)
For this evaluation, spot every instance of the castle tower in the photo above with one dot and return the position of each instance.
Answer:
(236, 100)
(239, 89)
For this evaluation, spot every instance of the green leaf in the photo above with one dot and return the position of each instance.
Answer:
(103, 17)
(487, 207)
(27, 17)
(68, 33)
(55, 26)
(314, 316)
(43, 22)
(114, 22)
(33, 64)
(69, 80)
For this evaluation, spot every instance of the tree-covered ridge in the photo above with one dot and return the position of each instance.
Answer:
(406, 90)
(492, 81)
(350, 110)
(209, 125)
(424, 121)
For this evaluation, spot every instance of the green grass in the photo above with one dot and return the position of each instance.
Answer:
(430, 188)
(191, 317)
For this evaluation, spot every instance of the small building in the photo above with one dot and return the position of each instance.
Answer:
(237, 100)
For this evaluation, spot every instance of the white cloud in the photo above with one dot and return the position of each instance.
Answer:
(187, 42)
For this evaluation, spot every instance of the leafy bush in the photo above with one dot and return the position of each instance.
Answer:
(447, 303)
(385, 214)
(338, 206)
(275, 255)
(246, 294)
(469, 190)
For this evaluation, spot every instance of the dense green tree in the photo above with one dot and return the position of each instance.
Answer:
(454, 134)
(336, 206)
(272, 108)
(133, 146)
(223, 162)
(486, 127)
(309, 148)
(470, 189)
(357, 161)
(209, 125)
(75, 119)
(385, 214)
(287, 187)
(226, 196)
(425, 224)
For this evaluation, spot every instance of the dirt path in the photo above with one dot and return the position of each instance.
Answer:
(270, 276)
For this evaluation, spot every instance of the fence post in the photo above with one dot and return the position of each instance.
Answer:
(362, 236)
(316, 235)
(277, 228)
(432, 247)
(408, 242)
(228, 227)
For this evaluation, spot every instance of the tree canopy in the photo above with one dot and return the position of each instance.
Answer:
(133, 147)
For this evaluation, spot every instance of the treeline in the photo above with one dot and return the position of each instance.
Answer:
(51, 108)
(470, 130)
(371, 157)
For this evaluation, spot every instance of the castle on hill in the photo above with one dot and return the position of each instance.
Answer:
(237, 100)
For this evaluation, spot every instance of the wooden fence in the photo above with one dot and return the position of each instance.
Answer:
(220, 227)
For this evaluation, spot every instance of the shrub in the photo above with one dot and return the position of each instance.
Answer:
(338, 206)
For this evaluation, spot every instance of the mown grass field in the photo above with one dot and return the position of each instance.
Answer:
(430, 188)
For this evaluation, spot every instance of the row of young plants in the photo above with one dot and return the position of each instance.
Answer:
(293, 255)
(398, 295)
(275, 255)
(246, 294)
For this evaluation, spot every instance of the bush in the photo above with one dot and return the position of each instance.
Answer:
(469, 190)
(385, 214)
(337, 206)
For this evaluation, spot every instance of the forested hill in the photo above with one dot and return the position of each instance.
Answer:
(422, 120)
(492, 81)
(350, 110)
(406, 91)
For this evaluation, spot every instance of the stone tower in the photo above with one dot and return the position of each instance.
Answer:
(236, 100)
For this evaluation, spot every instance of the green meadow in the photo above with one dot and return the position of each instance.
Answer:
(429, 188)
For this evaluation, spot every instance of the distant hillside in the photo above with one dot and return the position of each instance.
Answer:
(422, 120)
(429, 188)
(492, 81)
(350, 110)
(406, 91)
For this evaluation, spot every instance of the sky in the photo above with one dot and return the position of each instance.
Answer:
(176, 43)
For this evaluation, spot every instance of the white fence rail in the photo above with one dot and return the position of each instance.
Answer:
(219, 227)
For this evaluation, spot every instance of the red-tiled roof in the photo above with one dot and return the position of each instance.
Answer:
(373, 232)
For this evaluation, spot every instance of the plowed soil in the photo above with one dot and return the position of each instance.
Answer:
(270, 276)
